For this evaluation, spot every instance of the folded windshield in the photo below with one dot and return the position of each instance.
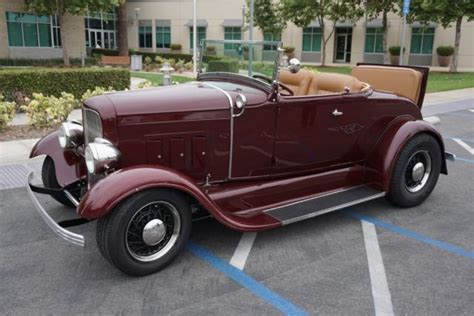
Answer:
(246, 58)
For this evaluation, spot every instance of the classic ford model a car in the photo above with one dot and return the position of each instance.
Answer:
(255, 152)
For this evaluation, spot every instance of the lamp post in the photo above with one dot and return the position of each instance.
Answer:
(194, 39)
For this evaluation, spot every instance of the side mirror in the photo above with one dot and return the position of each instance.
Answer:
(294, 65)
(240, 101)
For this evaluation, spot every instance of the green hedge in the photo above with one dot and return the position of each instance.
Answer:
(103, 51)
(52, 62)
(224, 65)
(54, 81)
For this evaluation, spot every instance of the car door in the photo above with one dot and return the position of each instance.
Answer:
(320, 131)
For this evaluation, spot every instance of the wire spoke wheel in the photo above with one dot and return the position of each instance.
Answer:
(152, 231)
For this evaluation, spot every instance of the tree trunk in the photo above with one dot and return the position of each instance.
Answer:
(325, 41)
(323, 50)
(64, 38)
(384, 37)
(457, 38)
(122, 29)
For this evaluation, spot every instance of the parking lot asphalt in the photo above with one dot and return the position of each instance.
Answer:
(423, 261)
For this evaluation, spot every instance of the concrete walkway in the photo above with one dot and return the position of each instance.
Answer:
(18, 150)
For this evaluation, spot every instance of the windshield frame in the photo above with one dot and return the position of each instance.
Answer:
(278, 54)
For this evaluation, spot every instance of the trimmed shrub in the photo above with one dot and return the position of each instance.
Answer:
(97, 91)
(52, 62)
(55, 81)
(102, 51)
(7, 112)
(175, 56)
(223, 65)
(445, 51)
(48, 111)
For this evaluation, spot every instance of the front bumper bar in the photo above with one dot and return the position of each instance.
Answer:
(67, 235)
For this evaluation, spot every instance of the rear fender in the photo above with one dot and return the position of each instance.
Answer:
(69, 165)
(382, 159)
(108, 193)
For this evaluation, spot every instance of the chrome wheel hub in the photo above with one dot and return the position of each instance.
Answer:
(417, 171)
(154, 232)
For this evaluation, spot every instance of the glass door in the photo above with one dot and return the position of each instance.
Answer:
(341, 48)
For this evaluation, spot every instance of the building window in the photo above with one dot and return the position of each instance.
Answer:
(422, 40)
(163, 36)
(201, 34)
(267, 36)
(101, 30)
(374, 40)
(312, 39)
(232, 33)
(29, 30)
(144, 36)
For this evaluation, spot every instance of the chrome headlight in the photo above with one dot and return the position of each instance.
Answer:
(101, 155)
(70, 134)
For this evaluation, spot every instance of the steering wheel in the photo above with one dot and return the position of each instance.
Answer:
(282, 86)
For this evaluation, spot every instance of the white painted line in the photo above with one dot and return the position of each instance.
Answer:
(241, 253)
(464, 145)
(472, 110)
(432, 119)
(378, 279)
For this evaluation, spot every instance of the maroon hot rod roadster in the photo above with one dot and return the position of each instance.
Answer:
(252, 151)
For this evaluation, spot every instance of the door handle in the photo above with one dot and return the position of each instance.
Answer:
(336, 113)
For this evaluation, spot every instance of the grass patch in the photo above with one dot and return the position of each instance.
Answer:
(437, 81)
(156, 79)
(442, 81)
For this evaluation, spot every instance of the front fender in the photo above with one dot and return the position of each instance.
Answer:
(381, 161)
(69, 166)
(104, 196)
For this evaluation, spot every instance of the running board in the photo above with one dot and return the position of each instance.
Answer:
(312, 207)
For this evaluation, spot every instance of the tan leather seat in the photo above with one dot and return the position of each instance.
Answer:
(328, 83)
(298, 83)
(403, 81)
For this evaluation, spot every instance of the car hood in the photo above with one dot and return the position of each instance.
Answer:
(175, 98)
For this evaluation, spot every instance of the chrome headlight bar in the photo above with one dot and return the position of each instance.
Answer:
(101, 155)
(70, 134)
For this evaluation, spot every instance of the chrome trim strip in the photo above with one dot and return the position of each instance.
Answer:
(71, 198)
(335, 208)
(311, 198)
(232, 116)
(449, 156)
(67, 235)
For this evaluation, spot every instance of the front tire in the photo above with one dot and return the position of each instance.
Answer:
(416, 171)
(146, 232)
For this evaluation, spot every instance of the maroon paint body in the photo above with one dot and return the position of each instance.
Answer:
(284, 149)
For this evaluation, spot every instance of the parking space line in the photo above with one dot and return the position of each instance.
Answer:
(464, 145)
(257, 288)
(458, 114)
(463, 139)
(241, 253)
(378, 278)
(414, 235)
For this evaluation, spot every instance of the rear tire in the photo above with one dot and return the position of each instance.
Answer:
(48, 175)
(416, 171)
(146, 232)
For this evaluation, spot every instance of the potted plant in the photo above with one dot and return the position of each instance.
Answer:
(395, 54)
(210, 50)
(289, 51)
(175, 47)
(444, 55)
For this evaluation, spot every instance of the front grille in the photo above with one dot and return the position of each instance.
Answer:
(92, 126)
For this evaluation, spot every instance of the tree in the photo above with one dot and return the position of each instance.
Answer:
(267, 17)
(303, 12)
(445, 12)
(73, 7)
(374, 9)
(122, 30)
